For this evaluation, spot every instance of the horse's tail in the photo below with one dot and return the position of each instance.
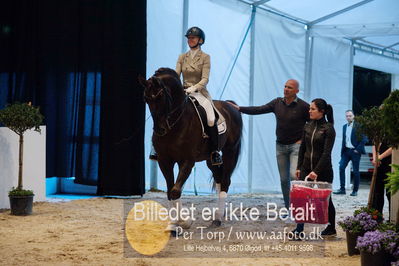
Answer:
(239, 142)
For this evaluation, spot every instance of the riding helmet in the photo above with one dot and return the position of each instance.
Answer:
(195, 31)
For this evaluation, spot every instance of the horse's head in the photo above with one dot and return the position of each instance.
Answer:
(156, 95)
(164, 94)
(164, 87)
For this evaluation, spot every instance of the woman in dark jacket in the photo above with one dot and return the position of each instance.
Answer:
(314, 159)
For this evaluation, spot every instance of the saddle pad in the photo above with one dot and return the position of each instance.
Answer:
(221, 122)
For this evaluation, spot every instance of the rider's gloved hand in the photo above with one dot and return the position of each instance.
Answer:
(191, 89)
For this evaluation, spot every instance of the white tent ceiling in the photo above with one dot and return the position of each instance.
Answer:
(373, 25)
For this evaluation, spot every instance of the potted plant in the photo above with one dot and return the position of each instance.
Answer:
(375, 214)
(20, 117)
(390, 117)
(378, 247)
(390, 113)
(392, 184)
(363, 220)
(372, 125)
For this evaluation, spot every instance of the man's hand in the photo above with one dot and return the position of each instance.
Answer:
(190, 90)
(234, 105)
(312, 176)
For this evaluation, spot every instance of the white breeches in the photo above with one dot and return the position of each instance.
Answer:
(208, 106)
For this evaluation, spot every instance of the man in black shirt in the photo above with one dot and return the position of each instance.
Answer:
(291, 114)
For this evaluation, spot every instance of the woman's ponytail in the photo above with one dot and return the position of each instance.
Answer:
(322, 105)
(330, 114)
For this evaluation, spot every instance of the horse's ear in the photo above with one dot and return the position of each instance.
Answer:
(142, 81)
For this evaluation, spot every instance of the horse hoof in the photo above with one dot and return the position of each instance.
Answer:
(216, 223)
(175, 194)
(171, 227)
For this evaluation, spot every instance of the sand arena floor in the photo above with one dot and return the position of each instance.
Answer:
(92, 232)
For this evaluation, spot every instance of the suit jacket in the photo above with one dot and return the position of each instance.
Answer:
(357, 142)
(195, 71)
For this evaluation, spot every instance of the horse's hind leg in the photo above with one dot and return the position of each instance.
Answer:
(217, 172)
(222, 195)
(230, 158)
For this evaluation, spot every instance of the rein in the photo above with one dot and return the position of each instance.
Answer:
(168, 117)
(170, 123)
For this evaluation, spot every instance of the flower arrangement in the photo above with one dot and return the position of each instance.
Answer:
(386, 226)
(379, 241)
(360, 223)
(375, 214)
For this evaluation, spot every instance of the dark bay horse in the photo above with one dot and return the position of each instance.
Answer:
(177, 134)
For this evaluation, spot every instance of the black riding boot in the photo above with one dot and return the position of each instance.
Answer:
(216, 159)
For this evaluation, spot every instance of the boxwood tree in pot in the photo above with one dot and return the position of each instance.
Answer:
(372, 125)
(20, 117)
(390, 111)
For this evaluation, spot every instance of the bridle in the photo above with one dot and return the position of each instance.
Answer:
(169, 121)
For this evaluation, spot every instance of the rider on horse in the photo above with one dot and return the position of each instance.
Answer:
(195, 66)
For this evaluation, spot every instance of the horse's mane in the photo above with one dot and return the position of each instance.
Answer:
(170, 77)
(166, 71)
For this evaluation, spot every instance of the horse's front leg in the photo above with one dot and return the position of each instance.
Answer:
(167, 171)
(184, 171)
(175, 194)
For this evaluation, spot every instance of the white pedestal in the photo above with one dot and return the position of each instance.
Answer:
(34, 167)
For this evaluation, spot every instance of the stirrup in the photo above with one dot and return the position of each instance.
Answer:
(216, 159)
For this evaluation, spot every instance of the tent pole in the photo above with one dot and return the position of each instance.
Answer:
(185, 26)
(308, 65)
(251, 100)
(349, 105)
(339, 12)
(239, 50)
(350, 96)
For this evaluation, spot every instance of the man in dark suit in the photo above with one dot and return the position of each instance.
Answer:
(352, 149)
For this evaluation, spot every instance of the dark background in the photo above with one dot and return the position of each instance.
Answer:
(79, 60)
(370, 88)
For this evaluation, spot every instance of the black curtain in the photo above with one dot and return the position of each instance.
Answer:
(68, 57)
(122, 104)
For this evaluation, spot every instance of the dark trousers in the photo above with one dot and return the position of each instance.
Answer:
(354, 156)
(331, 217)
(379, 195)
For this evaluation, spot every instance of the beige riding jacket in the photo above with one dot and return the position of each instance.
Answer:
(195, 71)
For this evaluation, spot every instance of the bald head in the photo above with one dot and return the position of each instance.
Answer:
(291, 88)
(294, 83)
